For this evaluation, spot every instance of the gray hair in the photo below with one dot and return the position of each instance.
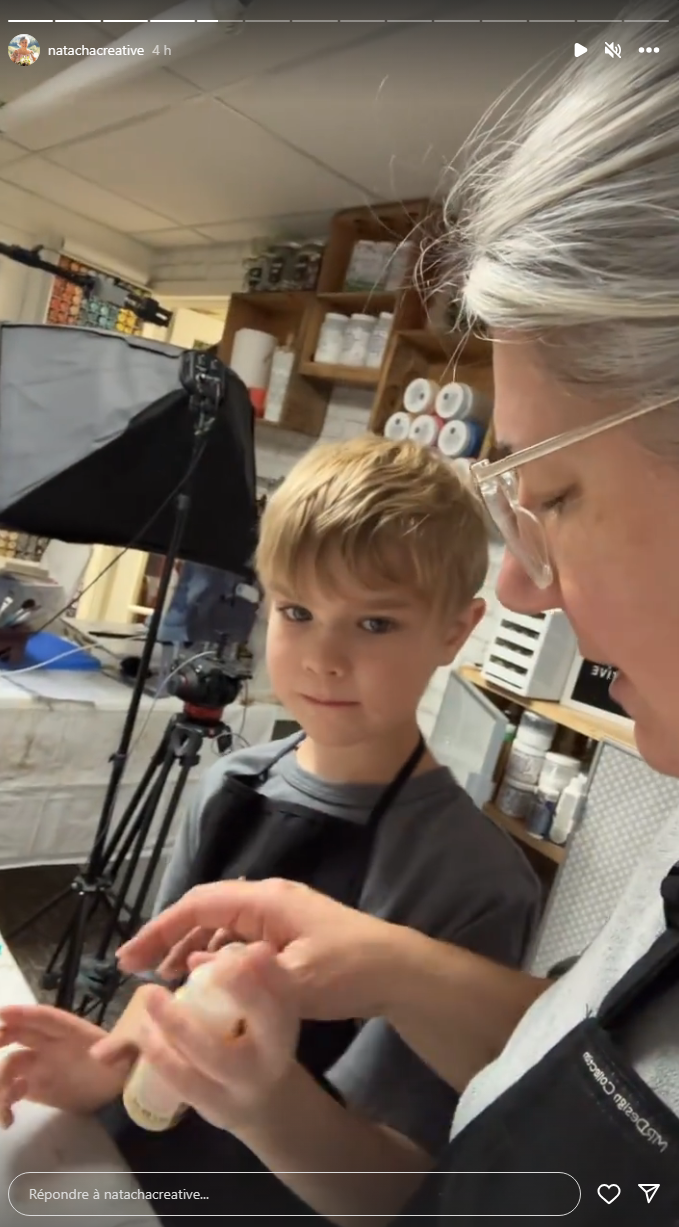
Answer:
(565, 224)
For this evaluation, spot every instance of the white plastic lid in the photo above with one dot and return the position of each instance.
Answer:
(557, 771)
(211, 1001)
(336, 315)
(364, 319)
(535, 732)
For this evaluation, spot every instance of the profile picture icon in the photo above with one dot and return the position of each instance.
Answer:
(23, 49)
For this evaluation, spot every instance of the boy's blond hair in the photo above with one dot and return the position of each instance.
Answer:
(392, 513)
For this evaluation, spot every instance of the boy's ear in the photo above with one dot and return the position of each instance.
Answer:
(462, 628)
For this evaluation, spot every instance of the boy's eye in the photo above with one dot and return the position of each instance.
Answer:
(294, 613)
(378, 626)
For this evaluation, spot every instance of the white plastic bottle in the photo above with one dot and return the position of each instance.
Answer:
(568, 809)
(147, 1098)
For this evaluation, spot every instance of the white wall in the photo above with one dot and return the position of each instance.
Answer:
(200, 272)
(38, 222)
(189, 326)
(277, 450)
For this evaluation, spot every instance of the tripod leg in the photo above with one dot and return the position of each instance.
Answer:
(190, 757)
(139, 792)
(146, 819)
(138, 905)
(71, 964)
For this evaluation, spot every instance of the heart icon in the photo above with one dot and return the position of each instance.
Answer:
(609, 1193)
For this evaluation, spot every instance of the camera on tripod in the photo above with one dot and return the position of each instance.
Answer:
(208, 685)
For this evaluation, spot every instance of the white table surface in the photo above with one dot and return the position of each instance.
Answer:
(57, 732)
(62, 1151)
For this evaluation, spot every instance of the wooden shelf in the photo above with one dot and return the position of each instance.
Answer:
(439, 346)
(275, 302)
(355, 376)
(295, 318)
(553, 852)
(371, 301)
(589, 724)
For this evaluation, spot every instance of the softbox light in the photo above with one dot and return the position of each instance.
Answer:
(96, 434)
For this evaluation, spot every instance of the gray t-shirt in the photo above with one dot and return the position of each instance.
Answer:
(439, 865)
(651, 1044)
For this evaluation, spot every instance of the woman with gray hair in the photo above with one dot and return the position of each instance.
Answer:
(567, 241)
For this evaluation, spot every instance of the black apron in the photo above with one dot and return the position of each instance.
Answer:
(245, 834)
(583, 1115)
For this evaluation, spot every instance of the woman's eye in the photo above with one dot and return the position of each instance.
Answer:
(555, 504)
(378, 626)
(294, 613)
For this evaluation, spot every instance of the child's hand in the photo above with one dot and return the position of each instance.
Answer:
(229, 1082)
(54, 1066)
(178, 961)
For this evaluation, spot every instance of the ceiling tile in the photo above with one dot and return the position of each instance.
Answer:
(393, 113)
(63, 188)
(116, 102)
(292, 226)
(10, 152)
(172, 238)
(204, 164)
(259, 48)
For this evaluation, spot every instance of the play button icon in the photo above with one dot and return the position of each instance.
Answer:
(579, 50)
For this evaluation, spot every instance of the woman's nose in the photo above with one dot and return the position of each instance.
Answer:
(516, 590)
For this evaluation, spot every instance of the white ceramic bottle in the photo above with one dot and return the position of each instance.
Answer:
(148, 1099)
(568, 809)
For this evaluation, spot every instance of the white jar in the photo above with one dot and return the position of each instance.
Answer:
(147, 1098)
(378, 339)
(331, 338)
(356, 340)
(533, 738)
(514, 800)
(557, 772)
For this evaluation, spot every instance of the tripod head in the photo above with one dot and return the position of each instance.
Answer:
(203, 376)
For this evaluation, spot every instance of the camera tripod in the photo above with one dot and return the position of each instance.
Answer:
(204, 379)
(97, 975)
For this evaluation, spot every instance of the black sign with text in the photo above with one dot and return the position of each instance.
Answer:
(592, 687)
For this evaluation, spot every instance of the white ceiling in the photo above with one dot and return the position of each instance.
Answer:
(274, 128)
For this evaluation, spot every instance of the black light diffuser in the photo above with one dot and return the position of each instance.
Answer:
(96, 435)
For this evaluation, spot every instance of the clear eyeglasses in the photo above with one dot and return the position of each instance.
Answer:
(497, 483)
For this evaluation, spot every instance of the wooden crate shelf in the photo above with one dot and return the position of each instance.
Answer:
(589, 724)
(354, 376)
(413, 348)
(543, 847)
(371, 301)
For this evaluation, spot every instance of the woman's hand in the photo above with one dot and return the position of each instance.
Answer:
(204, 941)
(54, 1065)
(231, 1082)
(340, 960)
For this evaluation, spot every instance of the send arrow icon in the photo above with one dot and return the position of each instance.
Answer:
(649, 1191)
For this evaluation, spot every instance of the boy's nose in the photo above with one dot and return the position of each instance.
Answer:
(325, 657)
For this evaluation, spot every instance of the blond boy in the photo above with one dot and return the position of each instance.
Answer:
(371, 554)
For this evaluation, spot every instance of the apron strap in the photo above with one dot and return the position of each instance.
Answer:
(263, 775)
(654, 974)
(669, 890)
(391, 792)
(385, 799)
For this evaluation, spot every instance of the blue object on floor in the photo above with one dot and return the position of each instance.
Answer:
(42, 647)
